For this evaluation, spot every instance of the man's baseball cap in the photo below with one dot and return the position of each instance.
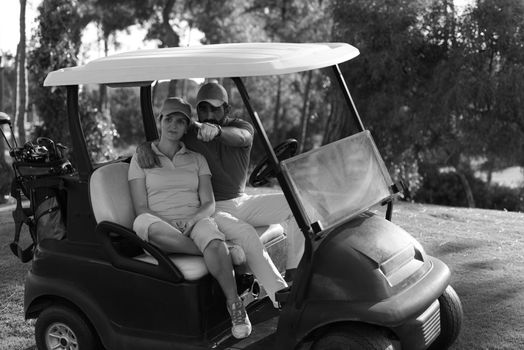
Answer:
(176, 105)
(212, 93)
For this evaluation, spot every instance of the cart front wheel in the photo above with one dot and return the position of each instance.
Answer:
(450, 319)
(357, 338)
(62, 328)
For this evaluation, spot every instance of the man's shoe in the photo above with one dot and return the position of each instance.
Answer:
(241, 327)
(238, 257)
(289, 276)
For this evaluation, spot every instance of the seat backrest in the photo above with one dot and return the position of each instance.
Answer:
(110, 195)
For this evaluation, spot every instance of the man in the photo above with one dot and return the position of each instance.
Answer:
(226, 144)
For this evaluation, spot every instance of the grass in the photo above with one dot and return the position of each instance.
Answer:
(483, 248)
(15, 332)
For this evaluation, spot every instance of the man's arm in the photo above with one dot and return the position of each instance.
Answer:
(229, 135)
(146, 158)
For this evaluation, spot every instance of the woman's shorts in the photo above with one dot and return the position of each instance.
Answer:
(203, 232)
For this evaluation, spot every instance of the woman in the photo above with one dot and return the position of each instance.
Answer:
(174, 204)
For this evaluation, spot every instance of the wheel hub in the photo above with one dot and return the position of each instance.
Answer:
(60, 337)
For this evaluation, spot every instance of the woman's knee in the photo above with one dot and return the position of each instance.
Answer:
(215, 247)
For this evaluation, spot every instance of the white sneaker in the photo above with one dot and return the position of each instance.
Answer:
(238, 257)
(241, 326)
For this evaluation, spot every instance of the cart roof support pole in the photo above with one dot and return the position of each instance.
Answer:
(83, 161)
(148, 118)
(347, 97)
(296, 209)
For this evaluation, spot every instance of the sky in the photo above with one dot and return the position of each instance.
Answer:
(9, 30)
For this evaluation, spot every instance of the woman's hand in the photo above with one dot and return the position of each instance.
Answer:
(185, 226)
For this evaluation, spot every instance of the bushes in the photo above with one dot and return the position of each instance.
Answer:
(445, 188)
(504, 198)
(6, 175)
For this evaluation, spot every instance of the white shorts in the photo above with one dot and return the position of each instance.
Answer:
(203, 232)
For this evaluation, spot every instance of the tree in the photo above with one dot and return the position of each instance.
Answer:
(493, 35)
(6, 174)
(21, 85)
(471, 106)
(55, 45)
(111, 17)
(384, 80)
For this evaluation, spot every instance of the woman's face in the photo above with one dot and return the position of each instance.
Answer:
(173, 126)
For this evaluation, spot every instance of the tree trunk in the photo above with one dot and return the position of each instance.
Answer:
(2, 145)
(103, 105)
(276, 114)
(1, 84)
(335, 126)
(170, 38)
(305, 113)
(21, 85)
(467, 188)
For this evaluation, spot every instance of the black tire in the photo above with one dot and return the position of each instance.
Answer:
(355, 338)
(62, 328)
(451, 315)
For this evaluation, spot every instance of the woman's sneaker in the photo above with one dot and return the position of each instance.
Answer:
(241, 327)
(238, 257)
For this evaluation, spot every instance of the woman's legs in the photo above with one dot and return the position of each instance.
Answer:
(171, 240)
(216, 256)
(163, 235)
(219, 265)
(258, 260)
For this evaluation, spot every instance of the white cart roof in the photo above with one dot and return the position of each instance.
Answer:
(206, 61)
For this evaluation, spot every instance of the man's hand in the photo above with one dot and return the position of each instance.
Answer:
(146, 158)
(207, 131)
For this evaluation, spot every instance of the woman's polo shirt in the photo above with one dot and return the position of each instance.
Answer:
(172, 189)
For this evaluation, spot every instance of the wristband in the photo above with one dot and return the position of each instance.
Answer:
(219, 130)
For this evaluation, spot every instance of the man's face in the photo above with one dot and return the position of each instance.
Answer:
(209, 113)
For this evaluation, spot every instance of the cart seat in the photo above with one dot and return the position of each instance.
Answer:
(111, 201)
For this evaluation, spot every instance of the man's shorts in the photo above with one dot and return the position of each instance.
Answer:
(202, 233)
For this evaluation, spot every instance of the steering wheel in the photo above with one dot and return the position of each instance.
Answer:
(264, 171)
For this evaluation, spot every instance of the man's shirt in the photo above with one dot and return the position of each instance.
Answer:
(228, 164)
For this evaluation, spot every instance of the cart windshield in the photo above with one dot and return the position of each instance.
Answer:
(338, 181)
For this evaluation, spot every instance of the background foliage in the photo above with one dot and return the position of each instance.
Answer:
(441, 88)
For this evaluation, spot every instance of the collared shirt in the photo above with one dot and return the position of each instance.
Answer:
(172, 189)
(228, 164)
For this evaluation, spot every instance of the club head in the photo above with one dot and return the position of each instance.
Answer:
(4, 119)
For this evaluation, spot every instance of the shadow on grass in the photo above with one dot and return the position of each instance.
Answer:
(447, 216)
(454, 247)
(493, 264)
(487, 305)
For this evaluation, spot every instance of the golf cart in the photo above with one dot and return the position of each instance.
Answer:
(362, 283)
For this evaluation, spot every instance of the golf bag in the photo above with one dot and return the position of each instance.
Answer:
(39, 168)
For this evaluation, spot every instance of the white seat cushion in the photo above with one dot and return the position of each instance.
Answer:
(110, 195)
(192, 267)
(111, 201)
